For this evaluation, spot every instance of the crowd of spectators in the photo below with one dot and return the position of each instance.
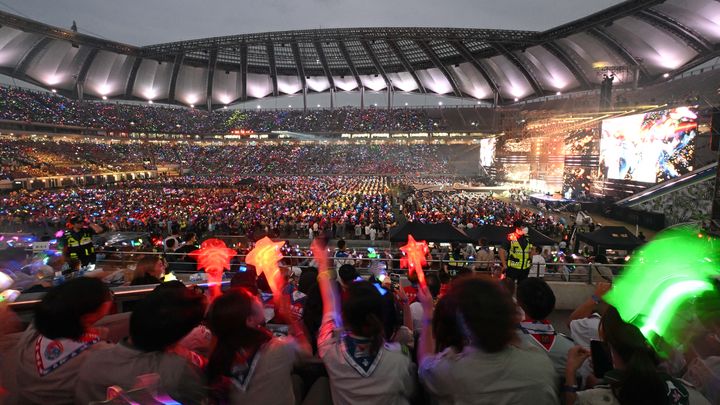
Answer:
(43, 157)
(288, 206)
(17, 104)
(325, 335)
(468, 210)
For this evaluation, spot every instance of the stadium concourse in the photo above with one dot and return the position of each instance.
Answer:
(439, 216)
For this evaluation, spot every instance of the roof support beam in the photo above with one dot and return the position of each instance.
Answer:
(675, 28)
(173, 78)
(615, 46)
(131, 78)
(351, 65)
(243, 70)
(270, 49)
(27, 59)
(467, 54)
(534, 83)
(80, 79)
(299, 64)
(326, 68)
(212, 61)
(569, 62)
(425, 46)
(378, 65)
(406, 64)
(301, 72)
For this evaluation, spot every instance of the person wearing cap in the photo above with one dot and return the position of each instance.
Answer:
(516, 254)
(77, 242)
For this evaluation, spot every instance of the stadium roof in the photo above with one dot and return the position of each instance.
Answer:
(639, 40)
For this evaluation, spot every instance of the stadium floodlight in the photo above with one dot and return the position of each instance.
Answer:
(440, 103)
(478, 103)
(54, 91)
(558, 93)
(666, 75)
(150, 101)
(516, 99)
(104, 97)
(406, 103)
(258, 107)
(289, 105)
(374, 104)
(225, 107)
(318, 105)
(192, 105)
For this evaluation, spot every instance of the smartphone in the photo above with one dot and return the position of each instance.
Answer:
(602, 361)
(394, 281)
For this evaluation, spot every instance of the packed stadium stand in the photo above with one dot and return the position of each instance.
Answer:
(166, 238)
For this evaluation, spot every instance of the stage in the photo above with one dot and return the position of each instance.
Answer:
(550, 200)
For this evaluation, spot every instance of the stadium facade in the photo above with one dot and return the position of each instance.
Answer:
(638, 42)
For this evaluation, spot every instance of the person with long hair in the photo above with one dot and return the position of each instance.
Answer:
(483, 365)
(59, 341)
(362, 366)
(149, 270)
(247, 364)
(635, 380)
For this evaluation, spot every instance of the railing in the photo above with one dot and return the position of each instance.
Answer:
(554, 271)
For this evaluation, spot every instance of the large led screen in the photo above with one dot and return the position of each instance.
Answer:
(487, 152)
(650, 147)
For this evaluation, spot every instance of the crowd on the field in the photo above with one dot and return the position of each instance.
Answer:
(25, 105)
(288, 206)
(468, 210)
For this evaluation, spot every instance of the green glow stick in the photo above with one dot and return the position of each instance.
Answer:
(677, 266)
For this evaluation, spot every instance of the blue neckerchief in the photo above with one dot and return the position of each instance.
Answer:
(357, 353)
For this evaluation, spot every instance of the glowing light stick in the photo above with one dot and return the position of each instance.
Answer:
(265, 257)
(662, 276)
(213, 257)
(414, 259)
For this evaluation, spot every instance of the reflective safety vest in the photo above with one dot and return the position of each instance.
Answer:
(519, 258)
(79, 248)
(455, 262)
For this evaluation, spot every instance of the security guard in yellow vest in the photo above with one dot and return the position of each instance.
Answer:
(453, 261)
(516, 254)
(77, 242)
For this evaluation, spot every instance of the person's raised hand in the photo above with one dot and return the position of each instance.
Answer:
(320, 254)
(425, 299)
(601, 288)
(576, 357)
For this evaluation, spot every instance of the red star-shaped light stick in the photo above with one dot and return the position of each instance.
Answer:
(213, 257)
(414, 259)
(265, 257)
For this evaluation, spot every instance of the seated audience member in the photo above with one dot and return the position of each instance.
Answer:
(585, 320)
(537, 300)
(363, 368)
(60, 340)
(445, 327)
(433, 283)
(157, 324)
(635, 379)
(248, 364)
(703, 354)
(537, 266)
(489, 369)
(149, 270)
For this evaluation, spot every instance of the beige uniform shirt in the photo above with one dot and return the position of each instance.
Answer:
(122, 364)
(390, 382)
(512, 376)
(269, 379)
(56, 386)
